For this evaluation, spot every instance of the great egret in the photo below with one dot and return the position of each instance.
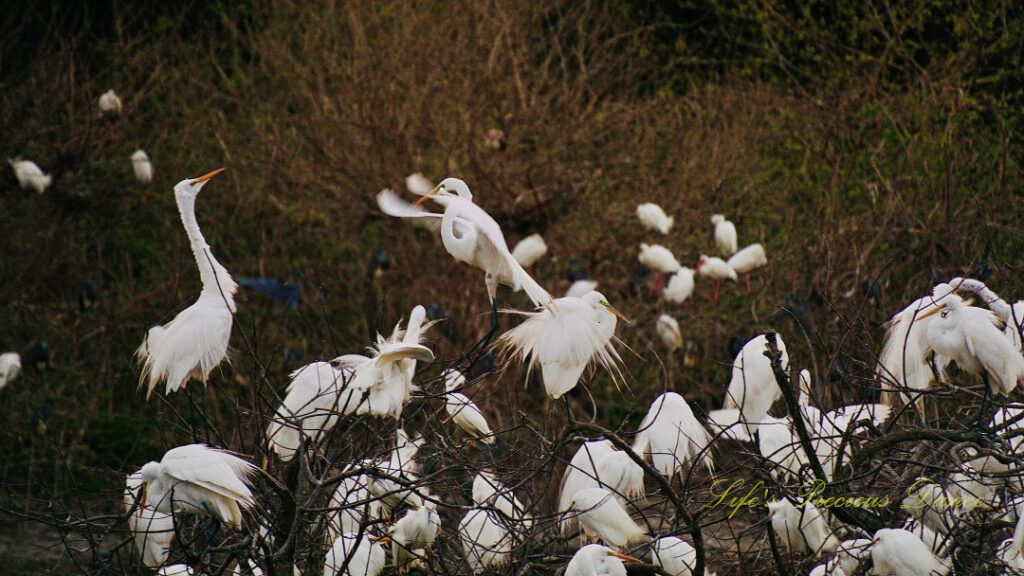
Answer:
(620, 475)
(564, 337)
(680, 286)
(829, 568)
(153, 531)
(351, 505)
(747, 260)
(668, 330)
(110, 103)
(717, 270)
(1012, 555)
(675, 555)
(851, 553)
(485, 540)
(198, 478)
(530, 249)
(597, 560)
(192, 344)
(658, 258)
(30, 176)
(1006, 421)
(393, 478)
(601, 515)
(367, 555)
(725, 235)
(580, 288)
(142, 167)
(901, 553)
(672, 436)
(416, 529)
(176, 570)
(728, 422)
(753, 388)
(801, 529)
(1012, 316)
(934, 539)
(580, 474)
(489, 492)
(10, 367)
(316, 397)
(779, 444)
(652, 217)
(463, 411)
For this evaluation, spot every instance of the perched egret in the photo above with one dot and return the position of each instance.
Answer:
(753, 388)
(1012, 316)
(529, 250)
(668, 330)
(176, 570)
(416, 529)
(658, 258)
(153, 531)
(897, 552)
(680, 286)
(110, 103)
(580, 474)
(597, 560)
(780, 445)
(601, 515)
(142, 167)
(620, 475)
(30, 175)
(463, 411)
(351, 505)
(489, 492)
(367, 555)
(801, 529)
(728, 422)
(580, 288)
(717, 270)
(725, 235)
(316, 397)
(935, 539)
(564, 337)
(851, 553)
(675, 555)
(747, 260)
(672, 436)
(198, 478)
(485, 540)
(192, 344)
(1005, 421)
(1012, 555)
(10, 367)
(652, 217)
(393, 477)
(830, 568)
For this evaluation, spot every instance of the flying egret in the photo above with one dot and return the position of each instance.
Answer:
(417, 528)
(601, 515)
(620, 475)
(316, 397)
(367, 555)
(489, 492)
(668, 330)
(597, 560)
(192, 344)
(581, 473)
(110, 103)
(801, 529)
(485, 540)
(675, 555)
(747, 260)
(716, 269)
(530, 249)
(725, 235)
(1012, 316)
(652, 217)
(900, 553)
(153, 531)
(30, 175)
(198, 478)
(658, 258)
(753, 388)
(463, 411)
(563, 338)
(672, 436)
(10, 367)
(142, 167)
(680, 286)
(580, 288)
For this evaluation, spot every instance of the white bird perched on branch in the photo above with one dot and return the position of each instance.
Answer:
(153, 531)
(620, 475)
(680, 286)
(580, 474)
(601, 515)
(489, 492)
(394, 477)
(753, 388)
(10, 367)
(192, 344)
(668, 330)
(747, 260)
(675, 555)
(198, 478)
(1012, 316)
(367, 555)
(725, 235)
(351, 505)
(580, 288)
(316, 397)
(417, 528)
(485, 540)
(716, 269)
(30, 175)
(801, 529)
(779, 444)
(658, 258)
(142, 167)
(672, 436)
(901, 553)
(598, 560)
(530, 249)
(653, 217)
(110, 103)
(563, 338)
(463, 411)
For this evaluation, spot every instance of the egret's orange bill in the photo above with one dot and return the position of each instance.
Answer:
(207, 176)
(617, 313)
(426, 198)
(621, 556)
(381, 539)
(142, 499)
(931, 312)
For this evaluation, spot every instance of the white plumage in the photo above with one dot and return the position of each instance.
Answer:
(725, 235)
(367, 556)
(601, 515)
(668, 330)
(897, 552)
(315, 398)
(30, 176)
(580, 288)
(753, 388)
(176, 570)
(652, 217)
(580, 474)
(620, 475)
(680, 286)
(489, 492)
(198, 478)
(850, 554)
(485, 540)
(417, 528)
(1012, 316)
(801, 529)
(717, 270)
(142, 167)
(463, 411)
(597, 560)
(748, 259)
(351, 505)
(153, 531)
(418, 184)
(780, 445)
(530, 249)
(192, 344)
(672, 436)
(657, 258)
(563, 338)
(110, 103)
(727, 423)
(676, 556)
(10, 367)
(394, 476)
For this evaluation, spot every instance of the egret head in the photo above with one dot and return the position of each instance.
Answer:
(597, 301)
(139, 156)
(716, 218)
(449, 186)
(190, 188)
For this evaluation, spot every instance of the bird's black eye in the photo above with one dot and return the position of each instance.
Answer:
(945, 313)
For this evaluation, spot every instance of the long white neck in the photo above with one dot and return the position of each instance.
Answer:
(217, 283)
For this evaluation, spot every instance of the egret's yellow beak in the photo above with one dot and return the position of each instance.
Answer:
(380, 539)
(142, 499)
(931, 312)
(426, 198)
(207, 176)
(621, 556)
(617, 313)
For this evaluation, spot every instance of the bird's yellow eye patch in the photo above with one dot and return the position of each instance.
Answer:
(604, 303)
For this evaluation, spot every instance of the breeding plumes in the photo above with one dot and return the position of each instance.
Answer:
(580, 288)
(727, 422)
(367, 556)
(753, 388)
(529, 250)
(563, 338)
(30, 176)
(580, 474)
(652, 217)
(717, 270)
(463, 411)
(152, 530)
(602, 516)
(747, 260)
(198, 478)
(897, 552)
(801, 529)
(725, 235)
(142, 167)
(620, 475)
(672, 436)
(485, 540)
(675, 555)
(680, 286)
(597, 560)
(489, 492)
(192, 344)
(668, 330)
(416, 529)
(110, 104)
(658, 258)
(1012, 316)
(315, 398)
(10, 367)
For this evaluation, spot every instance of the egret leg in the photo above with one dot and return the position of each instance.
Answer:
(748, 283)
(985, 415)
(482, 344)
(717, 283)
